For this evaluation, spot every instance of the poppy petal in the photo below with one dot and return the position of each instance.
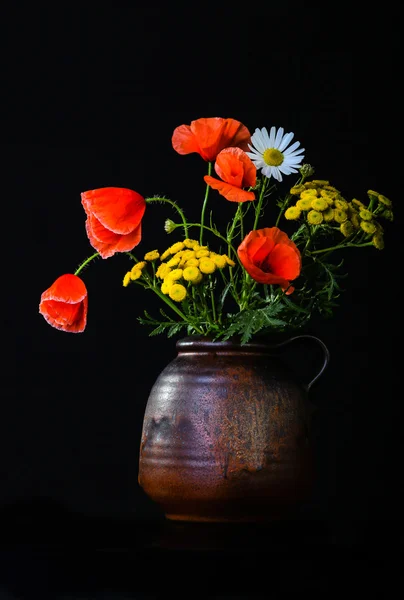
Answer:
(229, 168)
(235, 167)
(184, 141)
(230, 192)
(270, 256)
(108, 243)
(64, 305)
(208, 136)
(66, 317)
(118, 209)
(67, 288)
(285, 261)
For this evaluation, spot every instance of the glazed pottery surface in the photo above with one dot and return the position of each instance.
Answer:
(225, 432)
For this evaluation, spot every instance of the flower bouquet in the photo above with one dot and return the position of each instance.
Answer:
(275, 265)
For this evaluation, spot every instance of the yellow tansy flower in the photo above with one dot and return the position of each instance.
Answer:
(177, 292)
(202, 253)
(297, 189)
(176, 247)
(328, 215)
(152, 255)
(384, 200)
(163, 270)
(378, 241)
(355, 220)
(126, 279)
(372, 194)
(309, 193)
(138, 266)
(365, 214)
(206, 265)
(188, 243)
(346, 228)
(166, 286)
(219, 261)
(340, 215)
(304, 203)
(174, 275)
(321, 182)
(368, 227)
(358, 204)
(229, 261)
(174, 261)
(328, 196)
(192, 274)
(187, 254)
(135, 274)
(315, 217)
(319, 204)
(192, 262)
(293, 213)
(341, 204)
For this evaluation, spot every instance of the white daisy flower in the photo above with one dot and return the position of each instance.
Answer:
(269, 152)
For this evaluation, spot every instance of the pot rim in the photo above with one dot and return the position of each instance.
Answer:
(200, 343)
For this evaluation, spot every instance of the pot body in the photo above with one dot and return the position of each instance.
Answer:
(225, 434)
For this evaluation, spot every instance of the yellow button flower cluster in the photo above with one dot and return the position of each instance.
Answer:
(188, 262)
(321, 202)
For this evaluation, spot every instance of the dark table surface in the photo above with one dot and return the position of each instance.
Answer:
(93, 558)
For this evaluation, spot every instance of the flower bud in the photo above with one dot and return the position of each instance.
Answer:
(169, 226)
(306, 170)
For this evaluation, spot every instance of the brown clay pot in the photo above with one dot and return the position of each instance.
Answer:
(225, 433)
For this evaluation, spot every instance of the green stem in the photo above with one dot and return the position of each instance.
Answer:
(341, 246)
(83, 264)
(212, 299)
(282, 210)
(205, 201)
(237, 217)
(259, 204)
(174, 308)
(177, 208)
(241, 222)
(214, 233)
(286, 202)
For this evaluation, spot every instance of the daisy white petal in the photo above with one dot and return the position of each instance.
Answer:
(288, 137)
(293, 154)
(254, 153)
(257, 141)
(267, 171)
(279, 137)
(291, 148)
(271, 141)
(286, 169)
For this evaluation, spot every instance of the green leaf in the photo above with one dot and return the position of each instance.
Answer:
(295, 307)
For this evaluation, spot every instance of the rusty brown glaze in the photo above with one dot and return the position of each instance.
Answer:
(225, 433)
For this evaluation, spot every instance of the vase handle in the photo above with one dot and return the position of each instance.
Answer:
(324, 349)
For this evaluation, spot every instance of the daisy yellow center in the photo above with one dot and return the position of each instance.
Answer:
(273, 157)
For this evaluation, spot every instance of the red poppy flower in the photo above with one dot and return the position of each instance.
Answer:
(114, 218)
(209, 136)
(64, 304)
(269, 256)
(237, 171)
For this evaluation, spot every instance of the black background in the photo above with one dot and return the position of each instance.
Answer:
(90, 98)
